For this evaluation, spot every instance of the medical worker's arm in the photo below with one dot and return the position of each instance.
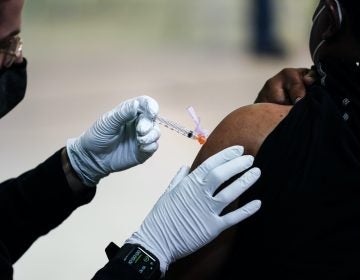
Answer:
(34, 203)
(40, 199)
(187, 216)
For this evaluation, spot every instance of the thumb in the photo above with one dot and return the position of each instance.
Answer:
(125, 111)
(148, 106)
(310, 77)
(130, 109)
(180, 175)
(112, 121)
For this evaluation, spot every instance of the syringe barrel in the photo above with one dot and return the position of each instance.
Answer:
(176, 127)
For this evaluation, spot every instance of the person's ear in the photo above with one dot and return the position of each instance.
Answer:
(335, 18)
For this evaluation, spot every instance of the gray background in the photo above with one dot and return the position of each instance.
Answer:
(86, 56)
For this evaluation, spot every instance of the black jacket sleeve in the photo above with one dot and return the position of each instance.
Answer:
(33, 204)
(36, 202)
(6, 270)
(116, 269)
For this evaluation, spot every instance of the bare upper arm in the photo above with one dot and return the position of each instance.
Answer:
(247, 126)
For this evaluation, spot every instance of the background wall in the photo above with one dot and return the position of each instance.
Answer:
(87, 56)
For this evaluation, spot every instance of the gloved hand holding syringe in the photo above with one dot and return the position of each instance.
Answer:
(197, 134)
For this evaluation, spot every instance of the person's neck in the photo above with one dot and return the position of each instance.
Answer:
(344, 71)
(341, 81)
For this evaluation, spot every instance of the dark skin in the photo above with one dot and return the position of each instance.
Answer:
(287, 87)
(250, 125)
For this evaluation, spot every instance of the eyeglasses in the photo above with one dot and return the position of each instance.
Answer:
(12, 49)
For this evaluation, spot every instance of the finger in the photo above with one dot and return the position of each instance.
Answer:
(297, 91)
(310, 78)
(298, 88)
(152, 136)
(218, 159)
(131, 109)
(180, 175)
(238, 187)
(125, 112)
(148, 106)
(144, 125)
(241, 214)
(112, 121)
(149, 149)
(273, 91)
(303, 71)
(298, 99)
(224, 172)
(293, 82)
(280, 96)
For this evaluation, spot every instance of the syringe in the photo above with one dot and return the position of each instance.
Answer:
(180, 129)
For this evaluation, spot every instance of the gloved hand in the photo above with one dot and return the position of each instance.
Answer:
(186, 217)
(122, 138)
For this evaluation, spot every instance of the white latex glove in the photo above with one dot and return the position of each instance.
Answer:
(186, 217)
(122, 138)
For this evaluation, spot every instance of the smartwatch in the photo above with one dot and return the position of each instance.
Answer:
(136, 257)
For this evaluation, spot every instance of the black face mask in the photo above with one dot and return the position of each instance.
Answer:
(13, 82)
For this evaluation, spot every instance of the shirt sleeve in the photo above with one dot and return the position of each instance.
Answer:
(34, 203)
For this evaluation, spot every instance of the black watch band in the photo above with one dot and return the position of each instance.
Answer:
(137, 257)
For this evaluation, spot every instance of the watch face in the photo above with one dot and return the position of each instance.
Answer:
(142, 262)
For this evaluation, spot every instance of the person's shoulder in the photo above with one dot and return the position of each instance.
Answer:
(261, 109)
(247, 126)
(251, 124)
(260, 115)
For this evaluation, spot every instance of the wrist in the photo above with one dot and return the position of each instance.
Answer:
(152, 247)
(73, 180)
(83, 163)
(138, 258)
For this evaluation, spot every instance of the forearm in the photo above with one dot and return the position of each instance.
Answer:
(36, 202)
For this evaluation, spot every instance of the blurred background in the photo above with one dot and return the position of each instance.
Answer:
(86, 56)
